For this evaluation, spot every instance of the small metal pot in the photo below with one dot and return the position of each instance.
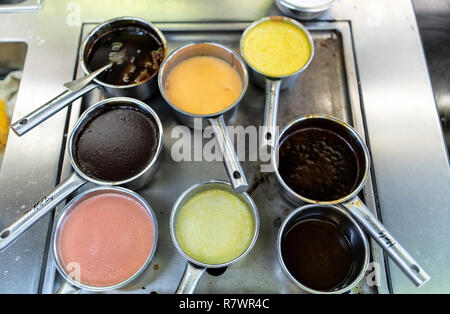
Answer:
(78, 178)
(350, 229)
(216, 120)
(351, 202)
(142, 90)
(195, 269)
(297, 11)
(273, 84)
(71, 285)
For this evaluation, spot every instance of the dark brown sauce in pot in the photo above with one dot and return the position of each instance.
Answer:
(318, 164)
(136, 54)
(116, 144)
(317, 254)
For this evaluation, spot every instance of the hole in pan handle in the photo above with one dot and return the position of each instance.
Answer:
(233, 167)
(39, 210)
(47, 110)
(395, 251)
(270, 114)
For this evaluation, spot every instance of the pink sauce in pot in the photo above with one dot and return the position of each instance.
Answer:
(106, 239)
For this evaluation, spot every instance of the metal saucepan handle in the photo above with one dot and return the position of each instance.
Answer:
(374, 227)
(191, 277)
(44, 112)
(269, 135)
(232, 165)
(47, 203)
(68, 288)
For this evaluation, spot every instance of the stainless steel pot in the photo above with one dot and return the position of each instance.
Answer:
(296, 10)
(195, 269)
(350, 229)
(71, 285)
(78, 178)
(273, 84)
(141, 91)
(351, 202)
(216, 120)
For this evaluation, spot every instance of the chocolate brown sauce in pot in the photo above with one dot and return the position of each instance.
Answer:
(318, 164)
(136, 55)
(317, 254)
(116, 144)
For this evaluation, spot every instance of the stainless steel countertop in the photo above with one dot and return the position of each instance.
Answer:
(410, 160)
(333, 92)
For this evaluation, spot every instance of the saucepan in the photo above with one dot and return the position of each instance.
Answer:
(74, 281)
(351, 201)
(216, 120)
(141, 90)
(273, 84)
(195, 268)
(81, 176)
(305, 10)
(351, 233)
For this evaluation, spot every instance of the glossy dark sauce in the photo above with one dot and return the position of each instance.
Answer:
(318, 164)
(137, 56)
(116, 144)
(317, 254)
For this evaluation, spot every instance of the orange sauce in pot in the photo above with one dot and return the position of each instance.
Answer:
(203, 85)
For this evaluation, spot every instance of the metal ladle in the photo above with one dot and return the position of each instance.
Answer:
(76, 89)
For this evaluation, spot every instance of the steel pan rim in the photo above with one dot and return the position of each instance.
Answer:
(286, 20)
(66, 212)
(85, 117)
(203, 116)
(82, 52)
(176, 209)
(361, 234)
(352, 131)
(302, 9)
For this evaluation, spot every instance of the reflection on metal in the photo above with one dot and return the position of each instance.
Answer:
(18, 6)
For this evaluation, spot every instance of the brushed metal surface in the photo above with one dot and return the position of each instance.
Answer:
(408, 151)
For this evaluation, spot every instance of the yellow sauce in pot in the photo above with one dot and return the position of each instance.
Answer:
(214, 227)
(276, 48)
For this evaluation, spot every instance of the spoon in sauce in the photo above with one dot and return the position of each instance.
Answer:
(77, 85)
(141, 32)
(117, 55)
